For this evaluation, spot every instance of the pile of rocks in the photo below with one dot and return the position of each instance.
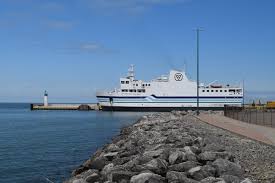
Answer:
(161, 147)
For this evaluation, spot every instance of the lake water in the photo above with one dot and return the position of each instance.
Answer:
(40, 145)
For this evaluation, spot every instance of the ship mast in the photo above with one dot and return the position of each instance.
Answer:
(131, 73)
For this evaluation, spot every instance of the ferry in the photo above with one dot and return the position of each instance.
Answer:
(166, 93)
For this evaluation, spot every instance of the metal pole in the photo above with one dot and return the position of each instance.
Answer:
(198, 79)
(271, 111)
(243, 93)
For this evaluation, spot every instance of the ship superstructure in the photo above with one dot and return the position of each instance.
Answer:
(166, 93)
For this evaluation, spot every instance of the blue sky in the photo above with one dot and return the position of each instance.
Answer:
(74, 47)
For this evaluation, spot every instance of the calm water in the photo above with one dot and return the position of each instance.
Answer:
(35, 145)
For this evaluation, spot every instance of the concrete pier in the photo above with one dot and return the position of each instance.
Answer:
(81, 107)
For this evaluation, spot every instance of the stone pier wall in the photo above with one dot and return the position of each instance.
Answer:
(177, 148)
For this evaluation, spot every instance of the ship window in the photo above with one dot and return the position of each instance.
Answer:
(136, 84)
(124, 90)
(203, 90)
(220, 90)
(127, 82)
(217, 90)
(212, 90)
(148, 84)
(122, 82)
(141, 91)
(207, 90)
(143, 85)
(131, 90)
(225, 90)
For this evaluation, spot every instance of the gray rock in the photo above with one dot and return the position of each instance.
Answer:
(94, 177)
(106, 171)
(112, 148)
(120, 161)
(209, 170)
(182, 167)
(98, 163)
(144, 159)
(191, 157)
(211, 156)
(225, 167)
(199, 172)
(195, 149)
(79, 181)
(212, 180)
(147, 178)
(247, 180)
(120, 176)
(207, 156)
(158, 166)
(79, 170)
(231, 179)
(110, 155)
(176, 157)
(196, 173)
(213, 147)
(188, 150)
(153, 154)
(85, 174)
(180, 177)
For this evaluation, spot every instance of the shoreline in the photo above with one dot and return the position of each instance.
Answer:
(177, 147)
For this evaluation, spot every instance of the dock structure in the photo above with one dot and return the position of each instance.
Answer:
(81, 107)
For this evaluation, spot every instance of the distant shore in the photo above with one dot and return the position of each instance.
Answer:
(177, 147)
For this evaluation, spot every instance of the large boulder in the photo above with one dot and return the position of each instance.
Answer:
(247, 180)
(176, 157)
(212, 156)
(106, 171)
(122, 176)
(180, 177)
(183, 167)
(231, 178)
(199, 173)
(158, 166)
(98, 163)
(212, 180)
(225, 167)
(94, 177)
(147, 178)
(153, 153)
(110, 156)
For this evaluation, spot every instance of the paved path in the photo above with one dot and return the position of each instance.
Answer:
(256, 132)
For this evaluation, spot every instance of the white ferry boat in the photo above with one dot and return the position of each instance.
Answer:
(166, 93)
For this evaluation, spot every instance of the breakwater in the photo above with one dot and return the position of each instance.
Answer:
(178, 147)
(83, 107)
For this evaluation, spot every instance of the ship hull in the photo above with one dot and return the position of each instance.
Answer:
(156, 103)
(155, 109)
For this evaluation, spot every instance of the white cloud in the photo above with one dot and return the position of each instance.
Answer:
(59, 24)
(90, 47)
(129, 5)
(87, 47)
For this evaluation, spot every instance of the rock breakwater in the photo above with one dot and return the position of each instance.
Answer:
(175, 148)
